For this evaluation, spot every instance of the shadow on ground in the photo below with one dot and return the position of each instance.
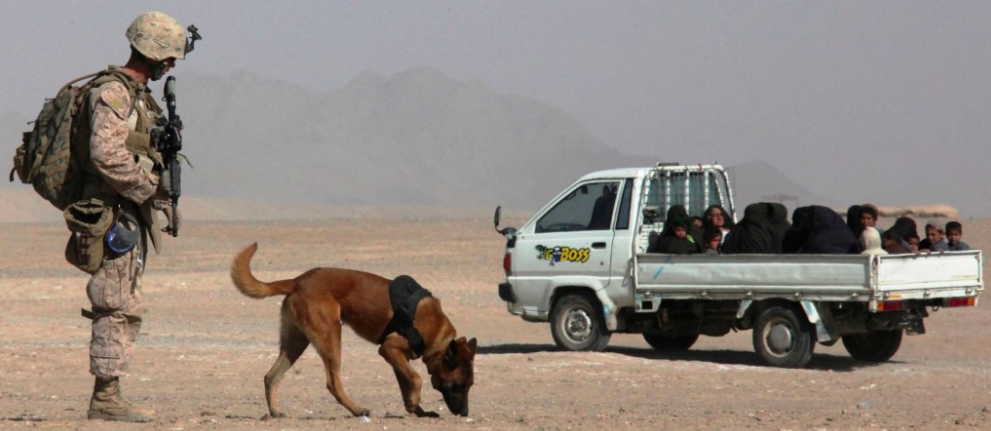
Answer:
(822, 362)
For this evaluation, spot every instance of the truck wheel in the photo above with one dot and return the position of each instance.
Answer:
(577, 324)
(670, 343)
(782, 338)
(874, 346)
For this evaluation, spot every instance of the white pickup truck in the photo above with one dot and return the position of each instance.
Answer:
(582, 263)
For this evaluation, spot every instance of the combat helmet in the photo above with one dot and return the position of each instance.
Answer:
(157, 36)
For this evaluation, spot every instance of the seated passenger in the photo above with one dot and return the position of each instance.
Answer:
(913, 242)
(697, 222)
(854, 220)
(711, 239)
(817, 229)
(675, 239)
(779, 221)
(870, 241)
(954, 231)
(935, 239)
(753, 234)
(904, 227)
(602, 210)
(868, 217)
(894, 243)
(717, 217)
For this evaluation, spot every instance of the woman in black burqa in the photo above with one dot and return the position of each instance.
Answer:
(754, 234)
(819, 230)
(853, 221)
(903, 228)
(779, 221)
(669, 243)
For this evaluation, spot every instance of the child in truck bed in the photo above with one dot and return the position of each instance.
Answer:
(954, 231)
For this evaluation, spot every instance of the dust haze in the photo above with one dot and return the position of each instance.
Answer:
(473, 104)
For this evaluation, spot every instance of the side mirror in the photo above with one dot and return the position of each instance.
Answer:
(508, 232)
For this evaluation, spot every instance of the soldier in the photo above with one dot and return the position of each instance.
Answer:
(119, 114)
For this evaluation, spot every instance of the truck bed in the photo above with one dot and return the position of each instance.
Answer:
(810, 277)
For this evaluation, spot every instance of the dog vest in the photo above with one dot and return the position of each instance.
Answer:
(405, 294)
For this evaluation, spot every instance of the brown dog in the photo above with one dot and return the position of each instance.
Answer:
(321, 300)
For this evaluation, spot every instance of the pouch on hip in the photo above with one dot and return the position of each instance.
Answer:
(124, 234)
(88, 220)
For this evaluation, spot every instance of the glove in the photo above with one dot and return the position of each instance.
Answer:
(166, 207)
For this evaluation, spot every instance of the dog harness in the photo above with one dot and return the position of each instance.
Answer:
(405, 294)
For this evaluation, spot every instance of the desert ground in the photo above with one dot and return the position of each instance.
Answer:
(205, 347)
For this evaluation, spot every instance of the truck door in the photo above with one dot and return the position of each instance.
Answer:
(623, 238)
(573, 238)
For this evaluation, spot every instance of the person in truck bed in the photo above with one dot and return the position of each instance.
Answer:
(870, 240)
(954, 231)
(753, 234)
(717, 217)
(819, 230)
(711, 239)
(676, 238)
(894, 243)
(935, 239)
(903, 228)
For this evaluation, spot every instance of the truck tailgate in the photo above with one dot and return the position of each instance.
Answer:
(927, 276)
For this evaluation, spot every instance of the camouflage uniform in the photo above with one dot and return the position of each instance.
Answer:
(119, 173)
(115, 177)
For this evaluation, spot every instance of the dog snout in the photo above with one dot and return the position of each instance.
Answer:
(457, 404)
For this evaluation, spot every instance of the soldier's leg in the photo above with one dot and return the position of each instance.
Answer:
(114, 292)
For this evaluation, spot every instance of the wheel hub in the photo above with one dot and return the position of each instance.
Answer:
(579, 325)
(780, 339)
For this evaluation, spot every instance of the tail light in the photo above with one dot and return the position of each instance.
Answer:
(507, 264)
(960, 302)
(890, 306)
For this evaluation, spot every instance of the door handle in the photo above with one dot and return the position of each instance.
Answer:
(598, 245)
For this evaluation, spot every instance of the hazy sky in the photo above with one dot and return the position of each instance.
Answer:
(881, 101)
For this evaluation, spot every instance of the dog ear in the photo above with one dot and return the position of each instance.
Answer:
(472, 348)
(451, 355)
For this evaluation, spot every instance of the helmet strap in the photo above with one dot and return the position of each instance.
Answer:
(158, 70)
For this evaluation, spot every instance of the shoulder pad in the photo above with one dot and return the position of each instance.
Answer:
(116, 96)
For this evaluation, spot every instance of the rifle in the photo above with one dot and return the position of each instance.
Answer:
(167, 139)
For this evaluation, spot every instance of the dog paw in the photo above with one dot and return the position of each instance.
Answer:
(362, 412)
(269, 417)
(420, 413)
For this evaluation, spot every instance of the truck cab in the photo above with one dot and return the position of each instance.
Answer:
(583, 241)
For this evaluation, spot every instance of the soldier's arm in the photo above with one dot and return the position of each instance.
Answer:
(111, 105)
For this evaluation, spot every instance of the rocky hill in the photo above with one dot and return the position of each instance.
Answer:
(416, 139)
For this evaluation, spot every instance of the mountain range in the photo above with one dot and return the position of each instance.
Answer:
(416, 139)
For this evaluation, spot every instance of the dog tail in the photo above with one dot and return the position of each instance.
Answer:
(248, 284)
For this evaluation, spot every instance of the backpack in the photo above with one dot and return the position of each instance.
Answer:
(46, 157)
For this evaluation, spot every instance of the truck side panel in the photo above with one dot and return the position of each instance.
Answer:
(832, 277)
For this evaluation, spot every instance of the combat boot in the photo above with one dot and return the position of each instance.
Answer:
(108, 404)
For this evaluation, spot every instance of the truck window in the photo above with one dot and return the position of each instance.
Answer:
(668, 189)
(588, 207)
(623, 219)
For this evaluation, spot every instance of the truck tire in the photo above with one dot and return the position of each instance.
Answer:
(577, 324)
(670, 343)
(874, 346)
(783, 338)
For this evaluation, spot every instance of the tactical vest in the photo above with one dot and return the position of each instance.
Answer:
(143, 114)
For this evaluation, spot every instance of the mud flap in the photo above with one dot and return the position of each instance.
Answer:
(823, 321)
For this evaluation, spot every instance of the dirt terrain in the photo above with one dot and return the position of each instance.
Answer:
(205, 347)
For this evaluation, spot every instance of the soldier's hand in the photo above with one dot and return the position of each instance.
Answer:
(165, 206)
(170, 220)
